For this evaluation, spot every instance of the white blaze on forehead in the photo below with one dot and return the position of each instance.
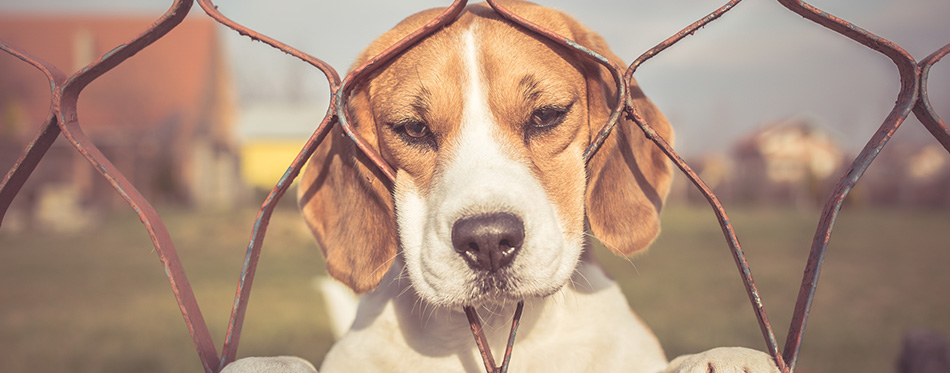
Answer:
(475, 109)
(478, 169)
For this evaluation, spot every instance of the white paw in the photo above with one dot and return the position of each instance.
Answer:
(724, 360)
(279, 364)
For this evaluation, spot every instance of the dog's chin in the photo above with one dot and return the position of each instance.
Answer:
(489, 289)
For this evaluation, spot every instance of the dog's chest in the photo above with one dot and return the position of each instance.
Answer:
(574, 330)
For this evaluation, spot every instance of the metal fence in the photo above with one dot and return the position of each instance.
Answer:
(63, 120)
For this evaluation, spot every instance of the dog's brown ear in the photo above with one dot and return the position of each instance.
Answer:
(346, 201)
(629, 177)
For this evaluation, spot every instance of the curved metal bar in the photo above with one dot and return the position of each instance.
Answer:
(515, 323)
(728, 232)
(27, 162)
(64, 105)
(252, 256)
(55, 76)
(76, 82)
(908, 95)
(236, 322)
(481, 341)
(689, 30)
(47, 134)
(601, 136)
(331, 73)
(923, 110)
(354, 78)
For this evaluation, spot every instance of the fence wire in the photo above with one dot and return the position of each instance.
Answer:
(63, 120)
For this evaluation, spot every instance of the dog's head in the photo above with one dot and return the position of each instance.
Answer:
(486, 125)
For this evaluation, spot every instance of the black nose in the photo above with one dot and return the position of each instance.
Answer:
(488, 242)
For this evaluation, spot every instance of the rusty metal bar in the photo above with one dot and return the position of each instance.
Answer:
(449, 15)
(49, 131)
(481, 341)
(236, 322)
(66, 100)
(923, 110)
(515, 322)
(252, 256)
(63, 114)
(728, 232)
(908, 95)
(598, 140)
(336, 113)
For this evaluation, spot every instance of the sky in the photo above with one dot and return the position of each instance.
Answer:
(758, 64)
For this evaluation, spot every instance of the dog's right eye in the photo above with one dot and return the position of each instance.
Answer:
(416, 129)
(415, 133)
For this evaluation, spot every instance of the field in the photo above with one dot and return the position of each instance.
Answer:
(98, 301)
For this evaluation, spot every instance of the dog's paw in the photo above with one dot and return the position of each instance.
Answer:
(724, 360)
(279, 364)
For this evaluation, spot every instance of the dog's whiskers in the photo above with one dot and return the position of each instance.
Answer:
(582, 276)
(613, 248)
(385, 264)
(402, 275)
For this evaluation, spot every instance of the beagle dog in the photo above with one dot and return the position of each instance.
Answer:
(486, 124)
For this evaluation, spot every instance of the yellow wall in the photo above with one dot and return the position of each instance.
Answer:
(265, 161)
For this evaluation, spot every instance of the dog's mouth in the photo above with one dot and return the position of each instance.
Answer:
(502, 287)
(494, 287)
(492, 283)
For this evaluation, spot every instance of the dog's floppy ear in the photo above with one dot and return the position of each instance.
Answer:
(629, 177)
(345, 199)
(347, 203)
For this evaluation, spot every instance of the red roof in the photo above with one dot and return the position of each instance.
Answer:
(168, 82)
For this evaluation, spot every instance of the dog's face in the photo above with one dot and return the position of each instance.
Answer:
(486, 125)
(489, 195)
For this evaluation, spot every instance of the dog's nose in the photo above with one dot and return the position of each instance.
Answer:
(488, 242)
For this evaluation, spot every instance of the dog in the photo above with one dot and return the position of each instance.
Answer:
(486, 125)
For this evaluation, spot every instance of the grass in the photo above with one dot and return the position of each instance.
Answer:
(884, 274)
(98, 301)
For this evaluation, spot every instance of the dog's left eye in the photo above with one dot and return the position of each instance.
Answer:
(548, 116)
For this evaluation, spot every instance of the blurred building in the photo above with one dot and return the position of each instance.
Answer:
(717, 170)
(165, 117)
(796, 162)
(910, 174)
(790, 161)
(272, 134)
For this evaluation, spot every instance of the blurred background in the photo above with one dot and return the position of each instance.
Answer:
(768, 107)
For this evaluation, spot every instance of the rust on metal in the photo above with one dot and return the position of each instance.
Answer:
(66, 91)
(728, 232)
(481, 341)
(252, 256)
(584, 51)
(908, 95)
(353, 79)
(49, 131)
(923, 110)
